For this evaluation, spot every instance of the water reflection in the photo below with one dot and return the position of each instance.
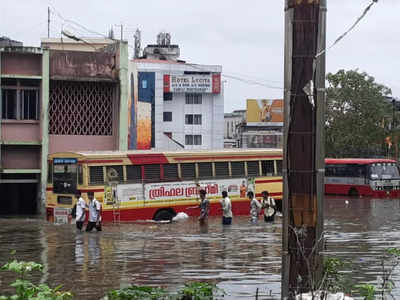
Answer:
(240, 258)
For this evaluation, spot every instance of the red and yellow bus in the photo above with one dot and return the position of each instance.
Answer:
(142, 185)
(362, 177)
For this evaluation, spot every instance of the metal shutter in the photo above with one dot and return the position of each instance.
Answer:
(221, 169)
(188, 171)
(205, 170)
(237, 168)
(253, 168)
(170, 172)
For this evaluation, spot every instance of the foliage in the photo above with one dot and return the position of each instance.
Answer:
(137, 292)
(26, 290)
(332, 280)
(199, 291)
(358, 116)
(367, 291)
(191, 291)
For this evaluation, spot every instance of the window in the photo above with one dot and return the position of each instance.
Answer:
(193, 139)
(252, 168)
(221, 169)
(279, 167)
(80, 174)
(205, 170)
(193, 98)
(21, 100)
(188, 171)
(168, 96)
(96, 175)
(171, 172)
(193, 119)
(134, 173)
(152, 173)
(237, 168)
(10, 104)
(167, 116)
(115, 173)
(267, 167)
(144, 84)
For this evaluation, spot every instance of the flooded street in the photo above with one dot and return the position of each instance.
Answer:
(239, 258)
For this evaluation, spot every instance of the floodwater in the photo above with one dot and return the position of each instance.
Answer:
(240, 258)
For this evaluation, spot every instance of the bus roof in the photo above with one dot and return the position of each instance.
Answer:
(153, 156)
(359, 161)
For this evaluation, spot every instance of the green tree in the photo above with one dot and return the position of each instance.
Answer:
(358, 115)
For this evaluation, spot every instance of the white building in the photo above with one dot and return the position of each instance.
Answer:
(231, 127)
(176, 105)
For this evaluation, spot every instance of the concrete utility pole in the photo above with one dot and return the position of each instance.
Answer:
(303, 166)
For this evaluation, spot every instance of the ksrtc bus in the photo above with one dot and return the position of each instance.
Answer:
(142, 185)
(362, 177)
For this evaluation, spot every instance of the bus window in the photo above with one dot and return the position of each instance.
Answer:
(267, 167)
(205, 170)
(152, 173)
(237, 168)
(134, 173)
(96, 175)
(115, 173)
(170, 172)
(253, 168)
(221, 169)
(188, 171)
(279, 167)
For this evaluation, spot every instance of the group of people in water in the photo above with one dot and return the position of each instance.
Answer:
(267, 203)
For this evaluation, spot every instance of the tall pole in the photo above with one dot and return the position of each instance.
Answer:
(48, 22)
(303, 166)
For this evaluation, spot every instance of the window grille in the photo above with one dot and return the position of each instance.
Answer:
(188, 171)
(152, 173)
(134, 173)
(237, 168)
(267, 167)
(96, 175)
(205, 170)
(170, 172)
(253, 168)
(221, 169)
(81, 108)
(193, 119)
(80, 174)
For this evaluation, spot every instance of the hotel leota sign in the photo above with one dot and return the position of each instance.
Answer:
(192, 83)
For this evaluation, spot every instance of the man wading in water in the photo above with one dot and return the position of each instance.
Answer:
(204, 207)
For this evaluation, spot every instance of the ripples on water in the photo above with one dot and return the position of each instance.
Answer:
(239, 258)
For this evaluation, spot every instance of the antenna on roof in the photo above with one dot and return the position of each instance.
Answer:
(138, 38)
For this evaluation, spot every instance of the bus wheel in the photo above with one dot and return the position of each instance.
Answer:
(164, 215)
(353, 192)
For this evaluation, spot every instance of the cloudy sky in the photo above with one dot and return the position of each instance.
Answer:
(245, 37)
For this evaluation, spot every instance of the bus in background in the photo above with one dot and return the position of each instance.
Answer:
(362, 177)
(145, 184)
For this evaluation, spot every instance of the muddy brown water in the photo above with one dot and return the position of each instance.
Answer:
(240, 258)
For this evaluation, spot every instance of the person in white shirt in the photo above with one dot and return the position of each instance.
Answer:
(94, 213)
(255, 207)
(268, 203)
(226, 209)
(80, 211)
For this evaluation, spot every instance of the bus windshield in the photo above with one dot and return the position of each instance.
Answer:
(384, 171)
(64, 176)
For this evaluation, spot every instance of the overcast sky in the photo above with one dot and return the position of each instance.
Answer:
(245, 37)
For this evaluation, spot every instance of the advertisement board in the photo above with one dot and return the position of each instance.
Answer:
(61, 215)
(264, 112)
(192, 83)
(143, 126)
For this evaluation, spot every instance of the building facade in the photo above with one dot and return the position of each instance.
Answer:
(56, 101)
(232, 122)
(174, 105)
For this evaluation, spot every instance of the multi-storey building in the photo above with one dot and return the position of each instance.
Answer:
(56, 100)
(174, 104)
